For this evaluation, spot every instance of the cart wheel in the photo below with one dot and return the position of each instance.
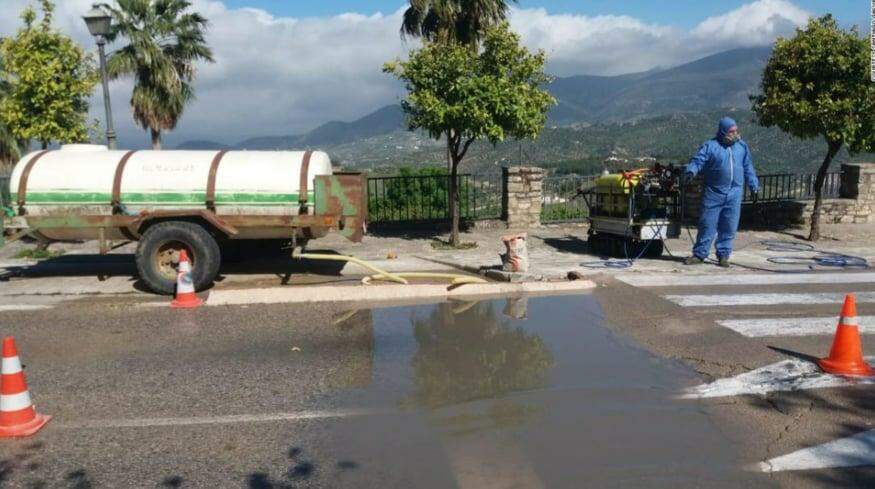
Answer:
(596, 244)
(621, 248)
(655, 250)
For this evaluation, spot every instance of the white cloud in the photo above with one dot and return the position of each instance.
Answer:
(610, 45)
(286, 75)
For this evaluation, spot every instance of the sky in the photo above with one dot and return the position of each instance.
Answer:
(284, 67)
(682, 13)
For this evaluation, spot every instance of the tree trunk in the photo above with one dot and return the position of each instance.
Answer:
(834, 147)
(45, 145)
(454, 204)
(156, 139)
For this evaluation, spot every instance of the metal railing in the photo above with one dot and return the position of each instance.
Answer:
(795, 186)
(559, 199)
(425, 198)
(560, 205)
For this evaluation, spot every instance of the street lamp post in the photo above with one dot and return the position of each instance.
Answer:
(99, 23)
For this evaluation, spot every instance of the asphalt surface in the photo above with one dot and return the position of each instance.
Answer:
(504, 393)
(588, 395)
(767, 425)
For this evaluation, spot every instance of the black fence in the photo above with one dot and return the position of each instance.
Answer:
(425, 198)
(794, 186)
(560, 201)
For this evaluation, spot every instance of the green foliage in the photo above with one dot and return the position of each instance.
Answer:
(10, 146)
(165, 42)
(48, 80)
(466, 93)
(415, 194)
(465, 21)
(492, 94)
(38, 254)
(563, 212)
(817, 84)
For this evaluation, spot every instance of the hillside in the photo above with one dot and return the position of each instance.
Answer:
(583, 149)
(664, 114)
(721, 80)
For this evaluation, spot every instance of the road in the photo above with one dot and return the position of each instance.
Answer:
(654, 380)
(755, 335)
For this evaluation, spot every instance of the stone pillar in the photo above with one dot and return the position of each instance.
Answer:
(522, 196)
(858, 183)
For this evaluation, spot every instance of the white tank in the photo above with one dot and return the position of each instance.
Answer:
(79, 179)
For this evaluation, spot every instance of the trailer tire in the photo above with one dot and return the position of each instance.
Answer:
(158, 252)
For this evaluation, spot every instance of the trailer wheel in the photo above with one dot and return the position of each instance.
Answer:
(158, 255)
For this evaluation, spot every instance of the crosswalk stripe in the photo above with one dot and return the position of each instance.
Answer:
(680, 280)
(756, 328)
(853, 451)
(764, 299)
(787, 375)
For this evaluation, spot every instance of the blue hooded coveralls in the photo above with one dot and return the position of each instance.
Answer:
(726, 167)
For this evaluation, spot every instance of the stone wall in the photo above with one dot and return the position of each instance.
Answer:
(522, 195)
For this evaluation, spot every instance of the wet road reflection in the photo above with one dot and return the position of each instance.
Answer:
(529, 393)
(469, 354)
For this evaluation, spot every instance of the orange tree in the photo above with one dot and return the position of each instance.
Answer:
(464, 93)
(817, 84)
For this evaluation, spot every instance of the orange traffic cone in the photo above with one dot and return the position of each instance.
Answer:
(185, 296)
(846, 355)
(17, 414)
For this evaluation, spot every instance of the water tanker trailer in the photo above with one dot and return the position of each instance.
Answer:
(174, 200)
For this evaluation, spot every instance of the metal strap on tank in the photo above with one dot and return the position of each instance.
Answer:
(117, 181)
(211, 181)
(303, 191)
(25, 175)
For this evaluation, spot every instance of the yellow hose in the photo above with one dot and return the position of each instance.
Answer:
(456, 279)
(315, 256)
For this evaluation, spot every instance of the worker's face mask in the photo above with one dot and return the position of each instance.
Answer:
(732, 136)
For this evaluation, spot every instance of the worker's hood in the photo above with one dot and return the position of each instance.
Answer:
(723, 127)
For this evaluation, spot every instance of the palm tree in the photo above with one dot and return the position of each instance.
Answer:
(165, 42)
(460, 20)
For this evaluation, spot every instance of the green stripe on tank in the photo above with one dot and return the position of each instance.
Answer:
(163, 198)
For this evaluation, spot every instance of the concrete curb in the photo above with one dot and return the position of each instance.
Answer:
(391, 293)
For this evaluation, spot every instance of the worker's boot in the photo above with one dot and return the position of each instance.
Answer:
(723, 262)
(693, 260)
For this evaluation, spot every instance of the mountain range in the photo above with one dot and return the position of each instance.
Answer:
(662, 113)
(721, 80)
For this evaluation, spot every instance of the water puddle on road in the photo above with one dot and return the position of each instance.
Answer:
(522, 393)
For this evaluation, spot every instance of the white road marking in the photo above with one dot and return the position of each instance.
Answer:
(23, 307)
(853, 451)
(210, 420)
(765, 299)
(678, 280)
(788, 375)
(756, 328)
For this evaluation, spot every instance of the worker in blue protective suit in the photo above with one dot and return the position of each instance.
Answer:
(725, 165)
